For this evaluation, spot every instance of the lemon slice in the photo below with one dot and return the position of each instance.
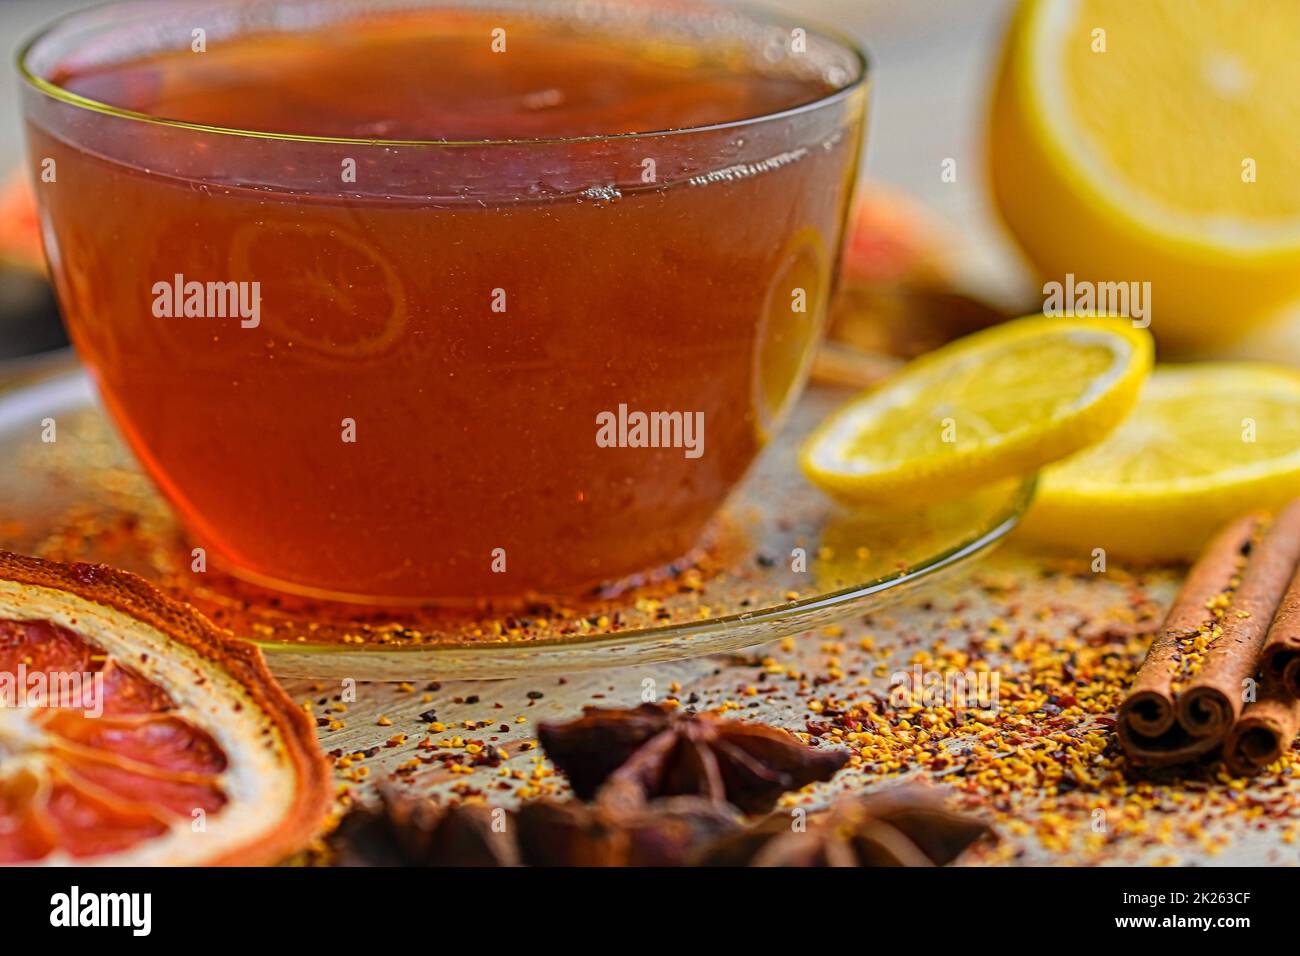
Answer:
(342, 299)
(787, 338)
(996, 404)
(1161, 132)
(1205, 443)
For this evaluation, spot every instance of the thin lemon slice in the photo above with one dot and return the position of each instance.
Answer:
(341, 299)
(1204, 444)
(997, 404)
(787, 337)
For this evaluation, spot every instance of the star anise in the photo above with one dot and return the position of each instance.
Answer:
(664, 833)
(415, 831)
(902, 826)
(660, 752)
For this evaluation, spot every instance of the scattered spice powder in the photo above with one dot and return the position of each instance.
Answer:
(1042, 766)
(1064, 643)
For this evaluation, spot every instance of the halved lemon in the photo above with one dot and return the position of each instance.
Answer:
(134, 732)
(996, 404)
(1154, 141)
(1206, 442)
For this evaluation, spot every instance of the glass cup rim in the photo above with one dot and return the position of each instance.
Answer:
(839, 94)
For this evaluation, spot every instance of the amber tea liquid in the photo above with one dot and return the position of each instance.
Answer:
(413, 415)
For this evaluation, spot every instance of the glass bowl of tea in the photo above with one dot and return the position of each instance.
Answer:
(419, 301)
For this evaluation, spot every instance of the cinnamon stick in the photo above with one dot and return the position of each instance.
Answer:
(1280, 659)
(1265, 731)
(1146, 721)
(1269, 725)
(1212, 702)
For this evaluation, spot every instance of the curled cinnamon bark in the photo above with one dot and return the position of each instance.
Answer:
(1213, 700)
(1263, 733)
(1146, 724)
(1280, 659)
(1269, 725)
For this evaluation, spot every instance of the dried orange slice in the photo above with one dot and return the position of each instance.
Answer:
(134, 732)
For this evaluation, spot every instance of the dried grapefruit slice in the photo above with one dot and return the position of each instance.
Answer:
(134, 732)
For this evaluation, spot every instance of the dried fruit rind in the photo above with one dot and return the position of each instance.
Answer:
(274, 781)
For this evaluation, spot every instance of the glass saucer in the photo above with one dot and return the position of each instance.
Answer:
(782, 558)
